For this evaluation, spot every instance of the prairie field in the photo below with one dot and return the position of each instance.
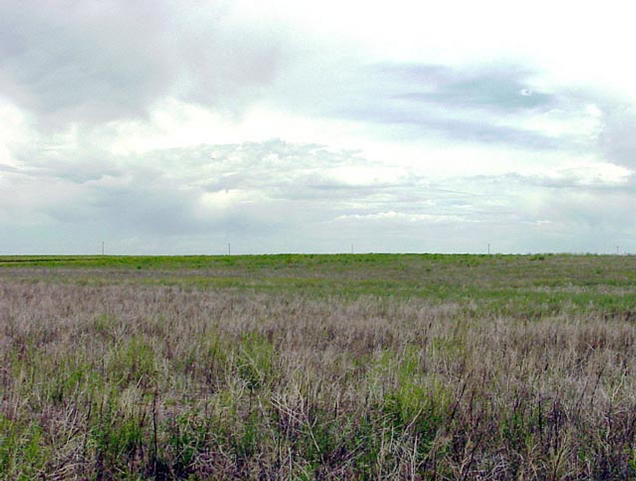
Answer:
(318, 367)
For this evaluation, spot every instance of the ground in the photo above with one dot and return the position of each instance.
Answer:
(366, 366)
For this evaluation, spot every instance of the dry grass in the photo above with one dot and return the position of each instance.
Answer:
(134, 380)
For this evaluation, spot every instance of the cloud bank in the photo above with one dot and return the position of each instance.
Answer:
(177, 127)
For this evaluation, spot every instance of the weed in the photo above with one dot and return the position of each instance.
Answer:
(318, 367)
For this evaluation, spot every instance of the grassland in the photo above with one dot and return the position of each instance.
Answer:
(318, 367)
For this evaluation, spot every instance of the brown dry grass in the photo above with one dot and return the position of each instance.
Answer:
(130, 380)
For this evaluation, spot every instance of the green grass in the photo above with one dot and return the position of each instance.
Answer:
(527, 286)
(317, 367)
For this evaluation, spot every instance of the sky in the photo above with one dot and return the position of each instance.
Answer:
(179, 127)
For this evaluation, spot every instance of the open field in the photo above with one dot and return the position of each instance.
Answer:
(318, 367)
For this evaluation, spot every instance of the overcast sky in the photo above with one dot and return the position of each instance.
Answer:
(177, 127)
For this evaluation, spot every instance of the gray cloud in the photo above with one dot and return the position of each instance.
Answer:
(275, 191)
(477, 104)
(276, 196)
(93, 62)
(418, 122)
(162, 194)
(617, 140)
(480, 104)
(501, 88)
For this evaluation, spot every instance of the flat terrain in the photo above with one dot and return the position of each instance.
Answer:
(366, 366)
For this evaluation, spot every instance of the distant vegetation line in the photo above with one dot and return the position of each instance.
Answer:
(198, 261)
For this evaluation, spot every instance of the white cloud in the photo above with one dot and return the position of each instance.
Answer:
(400, 217)
(307, 126)
(16, 130)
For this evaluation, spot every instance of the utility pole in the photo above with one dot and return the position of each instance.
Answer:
(352, 248)
(229, 252)
(102, 247)
(489, 248)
